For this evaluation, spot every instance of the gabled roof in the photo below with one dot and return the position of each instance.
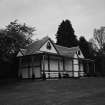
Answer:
(21, 52)
(63, 51)
(35, 46)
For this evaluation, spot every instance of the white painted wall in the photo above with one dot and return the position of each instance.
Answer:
(36, 62)
(68, 66)
(52, 50)
(61, 64)
(36, 71)
(19, 54)
(75, 55)
(81, 55)
(76, 65)
(76, 69)
(46, 64)
(53, 65)
(24, 72)
(30, 73)
(81, 69)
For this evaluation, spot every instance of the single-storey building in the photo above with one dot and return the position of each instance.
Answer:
(43, 58)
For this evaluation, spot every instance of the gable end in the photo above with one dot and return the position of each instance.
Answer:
(48, 46)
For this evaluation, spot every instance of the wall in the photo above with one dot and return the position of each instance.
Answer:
(45, 66)
(53, 65)
(26, 69)
(23, 67)
(68, 66)
(81, 69)
(76, 65)
(36, 68)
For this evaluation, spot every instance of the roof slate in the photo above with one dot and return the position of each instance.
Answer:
(35, 46)
(65, 51)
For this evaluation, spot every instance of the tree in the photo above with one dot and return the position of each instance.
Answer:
(99, 37)
(94, 47)
(86, 48)
(89, 53)
(14, 37)
(65, 35)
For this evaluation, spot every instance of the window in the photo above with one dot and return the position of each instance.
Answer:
(79, 53)
(48, 46)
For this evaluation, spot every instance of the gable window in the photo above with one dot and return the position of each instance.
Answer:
(79, 53)
(48, 46)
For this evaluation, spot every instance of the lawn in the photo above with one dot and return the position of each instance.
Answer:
(83, 91)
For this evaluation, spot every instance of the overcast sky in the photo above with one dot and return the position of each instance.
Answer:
(46, 15)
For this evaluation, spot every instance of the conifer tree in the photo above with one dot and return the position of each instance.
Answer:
(65, 35)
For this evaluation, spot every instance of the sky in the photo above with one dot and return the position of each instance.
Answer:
(46, 15)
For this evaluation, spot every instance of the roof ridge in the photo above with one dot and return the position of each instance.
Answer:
(47, 37)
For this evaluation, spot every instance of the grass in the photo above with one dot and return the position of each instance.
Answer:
(84, 91)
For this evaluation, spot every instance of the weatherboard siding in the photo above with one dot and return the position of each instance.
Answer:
(81, 70)
(76, 66)
(53, 65)
(68, 66)
(36, 72)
